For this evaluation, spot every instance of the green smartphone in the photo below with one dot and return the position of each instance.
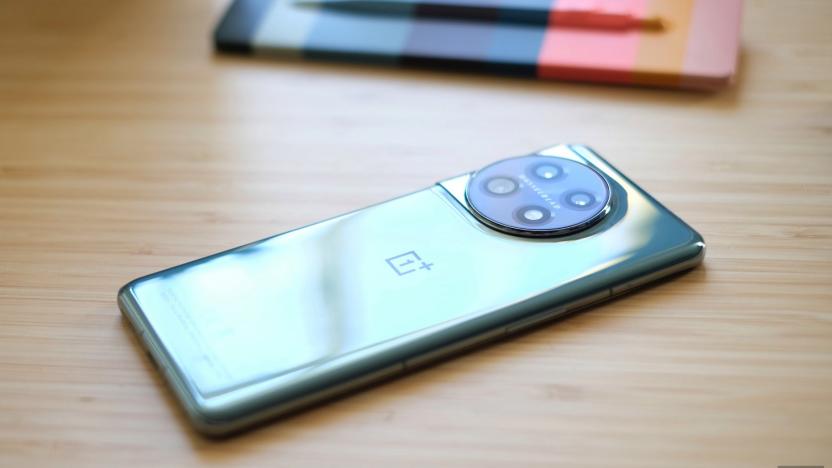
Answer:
(284, 322)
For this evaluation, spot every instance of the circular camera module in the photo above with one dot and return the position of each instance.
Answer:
(549, 196)
(500, 186)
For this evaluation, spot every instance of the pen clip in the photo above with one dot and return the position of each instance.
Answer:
(603, 14)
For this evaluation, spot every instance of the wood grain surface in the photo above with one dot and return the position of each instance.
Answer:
(128, 146)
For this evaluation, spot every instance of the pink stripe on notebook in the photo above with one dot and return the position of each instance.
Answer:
(713, 48)
(590, 54)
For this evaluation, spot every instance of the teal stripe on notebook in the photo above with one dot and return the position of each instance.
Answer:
(515, 48)
(284, 28)
(496, 46)
(327, 34)
(352, 36)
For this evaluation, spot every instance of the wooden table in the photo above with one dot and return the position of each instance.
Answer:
(127, 146)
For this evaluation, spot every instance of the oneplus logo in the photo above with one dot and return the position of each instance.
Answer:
(407, 263)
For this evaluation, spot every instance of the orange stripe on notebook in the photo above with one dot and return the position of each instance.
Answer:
(661, 54)
(589, 54)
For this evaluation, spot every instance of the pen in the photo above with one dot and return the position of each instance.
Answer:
(594, 14)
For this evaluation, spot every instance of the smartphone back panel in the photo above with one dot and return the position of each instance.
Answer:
(267, 326)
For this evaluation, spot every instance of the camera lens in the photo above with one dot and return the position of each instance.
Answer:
(500, 186)
(538, 196)
(547, 171)
(533, 214)
(579, 199)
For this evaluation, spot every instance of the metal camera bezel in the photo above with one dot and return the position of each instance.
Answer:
(517, 230)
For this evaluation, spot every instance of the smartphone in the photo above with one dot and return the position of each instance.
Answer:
(279, 324)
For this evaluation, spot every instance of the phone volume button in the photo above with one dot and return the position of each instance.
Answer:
(535, 320)
(638, 282)
(558, 311)
(453, 348)
(589, 300)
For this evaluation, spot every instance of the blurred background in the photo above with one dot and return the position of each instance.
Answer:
(127, 145)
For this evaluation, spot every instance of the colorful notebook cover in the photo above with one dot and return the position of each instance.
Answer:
(697, 49)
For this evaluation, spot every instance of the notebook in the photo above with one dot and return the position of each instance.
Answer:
(697, 48)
